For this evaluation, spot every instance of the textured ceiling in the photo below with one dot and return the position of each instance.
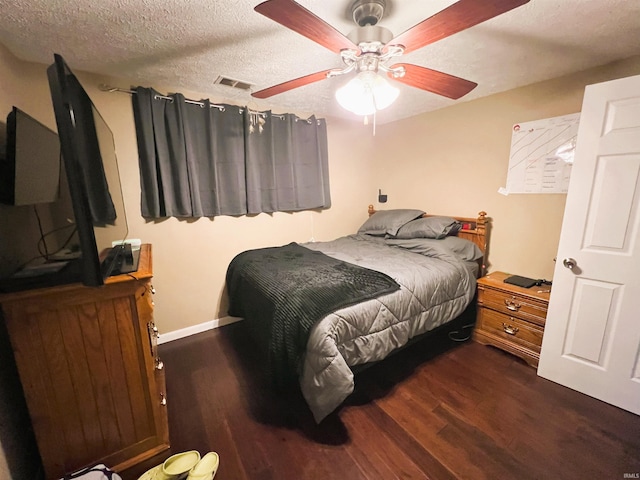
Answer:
(188, 43)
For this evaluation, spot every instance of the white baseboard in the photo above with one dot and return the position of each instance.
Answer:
(202, 327)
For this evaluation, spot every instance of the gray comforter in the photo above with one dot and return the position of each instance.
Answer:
(435, 287)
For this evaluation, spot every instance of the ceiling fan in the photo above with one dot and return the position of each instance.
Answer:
(370, 48)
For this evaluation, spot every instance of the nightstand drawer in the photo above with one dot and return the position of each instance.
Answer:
(513, 304)
(511, 329)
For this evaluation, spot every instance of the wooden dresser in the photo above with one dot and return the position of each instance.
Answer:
(510, 317)
(92, 380)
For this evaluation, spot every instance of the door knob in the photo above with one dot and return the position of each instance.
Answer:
(569, 263)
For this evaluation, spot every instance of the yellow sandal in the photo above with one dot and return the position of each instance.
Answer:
(175, 467)
(206, 468)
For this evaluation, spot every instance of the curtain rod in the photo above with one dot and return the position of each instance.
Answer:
(110, 89)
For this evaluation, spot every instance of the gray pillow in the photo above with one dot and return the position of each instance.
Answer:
(429, 227)
(463, 248)
(388, 222)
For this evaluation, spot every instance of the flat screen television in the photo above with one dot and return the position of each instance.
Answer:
(91, 166)
(61, 192)
(37, 224)
(30, 171)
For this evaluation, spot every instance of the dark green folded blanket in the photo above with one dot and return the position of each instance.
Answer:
(284, 291)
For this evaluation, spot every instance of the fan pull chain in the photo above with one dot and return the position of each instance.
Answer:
(366, 121)
(374, 122)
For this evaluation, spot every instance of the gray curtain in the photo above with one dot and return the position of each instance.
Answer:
(287, 164)
(197, 159)
(191, 156)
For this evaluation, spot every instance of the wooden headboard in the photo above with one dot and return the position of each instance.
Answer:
(474, 229)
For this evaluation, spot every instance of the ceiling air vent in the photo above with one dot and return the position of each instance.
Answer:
(230, 82)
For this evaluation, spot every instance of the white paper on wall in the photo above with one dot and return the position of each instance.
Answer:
(541, 155)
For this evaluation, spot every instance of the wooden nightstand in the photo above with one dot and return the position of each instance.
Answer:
(511, 318)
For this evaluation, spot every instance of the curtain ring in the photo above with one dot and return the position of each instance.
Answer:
(161, 97)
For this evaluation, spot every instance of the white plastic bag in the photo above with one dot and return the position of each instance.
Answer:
(96, 472)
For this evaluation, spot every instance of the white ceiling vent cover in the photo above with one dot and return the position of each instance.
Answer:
(231, 82)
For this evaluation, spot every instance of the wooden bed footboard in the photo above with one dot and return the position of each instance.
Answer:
(473, 229)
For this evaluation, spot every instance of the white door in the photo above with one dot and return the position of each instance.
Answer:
(591, 341)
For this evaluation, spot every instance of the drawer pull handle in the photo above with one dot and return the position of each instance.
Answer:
(511, 330)
(163, 399)
(512, 305)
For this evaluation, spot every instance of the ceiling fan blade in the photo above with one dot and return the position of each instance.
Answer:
(297, 18)
(291, 84)
(434, 81)
(453, 19)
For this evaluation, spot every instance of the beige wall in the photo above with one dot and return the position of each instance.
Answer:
(453, 161)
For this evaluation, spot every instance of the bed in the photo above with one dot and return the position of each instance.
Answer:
(322, 310)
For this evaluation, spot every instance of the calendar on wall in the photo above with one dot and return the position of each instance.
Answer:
(541, 155)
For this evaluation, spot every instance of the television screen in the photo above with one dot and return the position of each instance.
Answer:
(30, 171)
(38, 237)
(91, 165)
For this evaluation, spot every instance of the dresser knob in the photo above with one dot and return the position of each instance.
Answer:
(510, 329)
(512, 304)
(163, 399)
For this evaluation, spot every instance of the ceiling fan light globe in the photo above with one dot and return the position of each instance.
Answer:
(384, 93)
(366, 93)
(356, 97)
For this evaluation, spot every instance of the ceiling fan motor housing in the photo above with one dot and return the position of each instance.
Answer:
(370, 35)
(368, 12)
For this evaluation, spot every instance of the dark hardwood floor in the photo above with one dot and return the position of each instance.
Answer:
(438, 410)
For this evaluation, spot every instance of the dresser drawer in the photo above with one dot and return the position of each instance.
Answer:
(511, 329)
(513, 305)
